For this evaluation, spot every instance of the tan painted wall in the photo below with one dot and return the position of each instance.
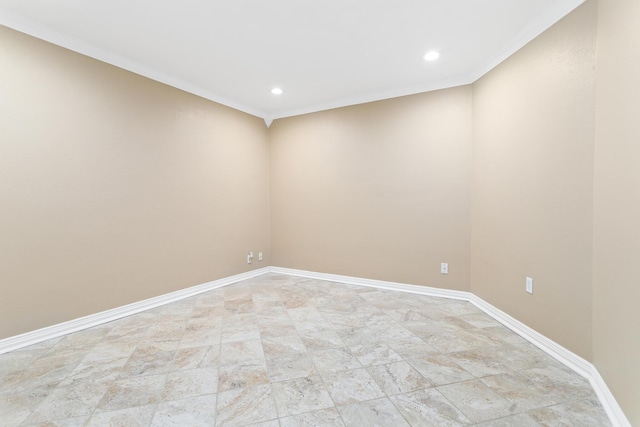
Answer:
(379, 190)
(616, 267)
(532, 194)
(115, 188)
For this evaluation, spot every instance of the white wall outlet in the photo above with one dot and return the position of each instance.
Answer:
(444, 268)
(529, 285)
(249, 257)
(259, 256)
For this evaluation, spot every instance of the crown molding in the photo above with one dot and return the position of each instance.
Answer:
(39, 31)
(542, 23)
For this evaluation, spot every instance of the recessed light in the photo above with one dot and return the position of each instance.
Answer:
(432, 56)
(277, 91)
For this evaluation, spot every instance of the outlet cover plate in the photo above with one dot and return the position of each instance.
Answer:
(529, 285)
(444, 268)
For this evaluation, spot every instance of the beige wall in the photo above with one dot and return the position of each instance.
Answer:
(115, 188)
(532, 195)
(379, 190)
(616, 267)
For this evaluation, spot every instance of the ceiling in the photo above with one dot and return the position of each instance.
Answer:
(322, 53)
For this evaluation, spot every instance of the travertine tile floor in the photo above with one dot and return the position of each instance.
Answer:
(284, 351)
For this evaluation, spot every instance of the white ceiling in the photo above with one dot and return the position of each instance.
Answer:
(323, 53)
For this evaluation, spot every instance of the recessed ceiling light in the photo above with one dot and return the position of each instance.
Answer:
(432, 56)
(277, 91)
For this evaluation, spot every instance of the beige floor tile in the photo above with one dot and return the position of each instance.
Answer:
(76, 400)
(321, 418)
(245, 406)
(150, 360)
(129, 417)
(334, 359)
(397, 378)
(132, 392)
(523, 392)
(196, 357)
(310, 351)
(481, 362)
(315, 341)
(301, 395)
(67, 422)
(412, 348)
(243, 374)
(284, 344)
(374, 354)
(584, 413)
(355, 385)
(240, 351)
(429, 408)
(199, 411)
(477, 401)
(289, 366)
(520, 420)
(195, 382)
(16, 407)
(374, 413)
(440, 369)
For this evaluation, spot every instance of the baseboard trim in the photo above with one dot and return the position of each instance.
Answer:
(372, 283)
(60, 329)
(574, 362)
(568, 358)
(607, 400)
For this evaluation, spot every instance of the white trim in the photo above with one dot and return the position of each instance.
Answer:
(553, 349)
(26, 26)
(568, 358)
(607, 400)
(380, 284)
(54, 331)
(544, 21)
(373, 97)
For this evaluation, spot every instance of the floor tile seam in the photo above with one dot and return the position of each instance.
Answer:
(507, 417)
(440, 385)
(402, 412)
(275, 404)
(525, 411)
(407, 392)
(379, 398)
(564, 402)
(155, 407)
(332, 399)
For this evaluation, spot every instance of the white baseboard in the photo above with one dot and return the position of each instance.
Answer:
(555, 350)
(568, 358)
(54, 331)
(380, 284)
(607, 400)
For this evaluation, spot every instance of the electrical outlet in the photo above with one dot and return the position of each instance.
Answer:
(249, 257)
(529, 285)
(444, 268)
(259, 256)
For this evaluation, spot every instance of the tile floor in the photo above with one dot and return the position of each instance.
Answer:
(285, 351)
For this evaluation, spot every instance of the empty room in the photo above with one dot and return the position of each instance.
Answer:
(337, 213)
